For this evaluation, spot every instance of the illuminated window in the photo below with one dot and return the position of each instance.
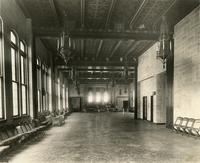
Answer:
(105, 97)
(39, 86)
(67, 104)
(19, 69)
(90, 97)
(59, 93)
(64, 96)
(98, 97)
(23, 81)
(13, 38)
(15, 73)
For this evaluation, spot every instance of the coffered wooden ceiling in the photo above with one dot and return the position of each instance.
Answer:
(104, 32)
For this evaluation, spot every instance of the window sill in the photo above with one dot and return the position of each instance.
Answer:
(22, 116)
(3, 120)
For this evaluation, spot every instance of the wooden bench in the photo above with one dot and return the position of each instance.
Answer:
(11, 135)
(8, 138)
(8, 135)
(189, 126)
(4, 149)
(195, 130)
(177, 124)
(58, 120)
(183, 124)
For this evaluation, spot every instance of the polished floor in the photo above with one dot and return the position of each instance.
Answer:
(108, 137)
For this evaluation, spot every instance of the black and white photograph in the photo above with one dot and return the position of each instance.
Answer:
(99, 81)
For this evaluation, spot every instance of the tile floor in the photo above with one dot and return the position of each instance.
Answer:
(108, 137)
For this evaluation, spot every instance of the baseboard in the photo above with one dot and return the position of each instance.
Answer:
(160, 123)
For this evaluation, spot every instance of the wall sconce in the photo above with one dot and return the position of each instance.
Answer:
(164, 45)
(163, 50)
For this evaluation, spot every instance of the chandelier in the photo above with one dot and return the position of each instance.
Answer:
(64, 48)
(125, 75)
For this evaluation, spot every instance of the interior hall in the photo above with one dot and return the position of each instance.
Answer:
(100, 81)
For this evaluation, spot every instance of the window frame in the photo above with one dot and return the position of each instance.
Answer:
(23, 54)
(44, 82)
(39, 84)
(14, 46)
(3, 117)
(20, 58)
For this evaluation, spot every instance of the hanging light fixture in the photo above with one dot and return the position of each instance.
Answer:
(64, 49)
(125, 69)
(164, 45)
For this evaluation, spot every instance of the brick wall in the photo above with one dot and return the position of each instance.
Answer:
(187, 66)
(151, 82)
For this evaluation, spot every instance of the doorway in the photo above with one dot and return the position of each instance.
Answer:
(144, 107)
(75, 103)
(152, 102)
(125, 105)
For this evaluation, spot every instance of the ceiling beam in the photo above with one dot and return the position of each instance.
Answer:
(150, 44)
(104, 70)
(137, 14)
(130, 44)
(67, 68)
(23, 8)
(99, 63)
(113, 2)
(103, 75)
(99, 75)
(115, 48)
(96, 8)
(136, 35)
(82, 34)
(166, 11)
(44, 32)
(131, 49)
(95, 70)
(82, 13)
(103, 81)
(99, 48)
(54, 10)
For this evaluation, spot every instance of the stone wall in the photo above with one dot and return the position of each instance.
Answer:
(187, 66)
(151, 82)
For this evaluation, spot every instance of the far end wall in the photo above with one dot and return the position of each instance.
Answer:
(118, 93)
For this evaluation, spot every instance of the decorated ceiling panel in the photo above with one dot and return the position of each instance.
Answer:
(103, 32)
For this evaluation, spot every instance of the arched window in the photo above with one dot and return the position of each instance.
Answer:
(23, 77)
(19, 69)
(1, 72)
(15, 73)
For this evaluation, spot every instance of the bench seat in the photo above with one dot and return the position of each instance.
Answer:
(11, 140)
(3, 149)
